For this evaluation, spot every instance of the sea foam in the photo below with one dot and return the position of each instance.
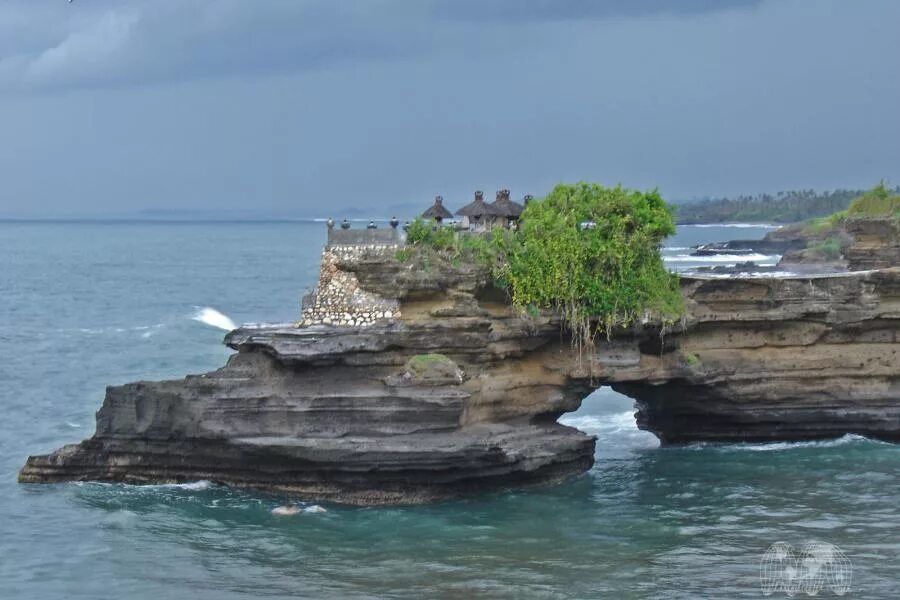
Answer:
(849, 438)
(723, 258)
(213, 318)
(738, 225)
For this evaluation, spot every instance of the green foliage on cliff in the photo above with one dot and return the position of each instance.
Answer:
(827, 237)
(828, 249)
(422, 365)
(592, 253)
(877, 202)
(824, 225)
(426, 240)
(429, 234)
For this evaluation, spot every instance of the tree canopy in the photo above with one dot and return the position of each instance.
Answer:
(593, 254)
(783, 207)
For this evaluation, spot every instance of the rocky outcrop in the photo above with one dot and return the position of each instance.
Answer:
(457, 392)
(780, 359)
(874, 243)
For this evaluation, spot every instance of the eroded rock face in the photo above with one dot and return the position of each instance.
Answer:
(875, 243)
(358, 414)
(781, 359)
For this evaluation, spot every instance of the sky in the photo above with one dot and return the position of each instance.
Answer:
(311, 107)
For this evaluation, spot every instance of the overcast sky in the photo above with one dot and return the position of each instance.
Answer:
(306, 106)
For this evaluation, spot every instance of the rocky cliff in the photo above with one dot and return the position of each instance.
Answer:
(874, 243)
(447, 390)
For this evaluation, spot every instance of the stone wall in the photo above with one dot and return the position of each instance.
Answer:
(338, 299)
(364, 237)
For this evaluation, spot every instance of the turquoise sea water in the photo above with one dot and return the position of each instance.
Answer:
(85, 305)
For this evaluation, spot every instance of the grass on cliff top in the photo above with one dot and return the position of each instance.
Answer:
(429, 243)
(825, 225)
(877, 202)
(880, 201)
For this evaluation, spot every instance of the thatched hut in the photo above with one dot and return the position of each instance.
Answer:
(437, 211)
(477, 215)
(506, 210)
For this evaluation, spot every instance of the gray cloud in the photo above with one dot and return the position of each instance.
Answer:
(48, 45)
(550, 10)
(300, 107)
(106, 42)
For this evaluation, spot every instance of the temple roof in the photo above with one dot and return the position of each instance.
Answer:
(505, 207)
(477, 207)
(437, 210)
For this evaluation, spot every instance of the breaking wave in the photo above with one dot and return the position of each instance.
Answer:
(850, 438)
(213, 318)
(740, 225)
(745, 274)
(723, 258)
(594, 424)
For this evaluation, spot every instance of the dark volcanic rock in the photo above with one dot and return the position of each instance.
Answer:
(369, 415)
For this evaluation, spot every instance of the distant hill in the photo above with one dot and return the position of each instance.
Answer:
(783, 207)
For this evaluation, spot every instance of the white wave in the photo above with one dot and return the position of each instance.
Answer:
(119, 519)
(723, 258)
(610, 423)
(285, 511)
(780, 446)
(192, 486)
(112, 329)
(214, 318)
(90, 331)
(289, 510)
(743, 274)
(675, 248)
(740, 225)
(73, 425)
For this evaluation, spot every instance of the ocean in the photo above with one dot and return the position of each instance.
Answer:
(85, 305)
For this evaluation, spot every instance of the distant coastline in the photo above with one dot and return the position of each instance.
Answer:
(775, 209)
(753, 211)
(185, 220)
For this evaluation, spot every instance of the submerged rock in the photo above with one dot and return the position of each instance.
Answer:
(461, 393)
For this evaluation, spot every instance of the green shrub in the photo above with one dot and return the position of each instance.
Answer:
(598, 277)
(403, 255)
(692, 360)
(422, 365)
(430, 234)
(828, 248)
(427, 240)
(825, 224)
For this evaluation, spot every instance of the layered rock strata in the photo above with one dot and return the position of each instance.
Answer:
(456, 392)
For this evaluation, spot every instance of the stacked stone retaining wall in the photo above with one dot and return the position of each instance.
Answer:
(338, 299)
